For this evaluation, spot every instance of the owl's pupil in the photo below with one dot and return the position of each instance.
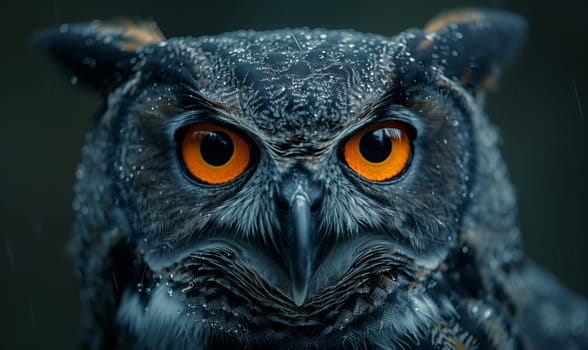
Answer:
(375, 146)
(216, 148)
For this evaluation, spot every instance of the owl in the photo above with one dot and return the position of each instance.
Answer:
(303, 189)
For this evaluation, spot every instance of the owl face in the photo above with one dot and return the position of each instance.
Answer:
(314, 139)
(255, 187)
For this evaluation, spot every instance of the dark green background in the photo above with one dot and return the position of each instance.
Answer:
(538, 106)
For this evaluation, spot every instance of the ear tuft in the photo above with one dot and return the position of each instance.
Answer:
(444, 20)
(135, 35)
(101, 54)
(471, 45)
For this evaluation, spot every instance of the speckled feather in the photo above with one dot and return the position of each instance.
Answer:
(431, 259)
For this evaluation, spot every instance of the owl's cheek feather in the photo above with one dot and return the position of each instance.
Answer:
(219, 293)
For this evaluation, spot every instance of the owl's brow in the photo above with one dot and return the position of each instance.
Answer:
(396, 93)
(196, 99)
(370, 109)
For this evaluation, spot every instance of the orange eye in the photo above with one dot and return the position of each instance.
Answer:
(378, 152)
(214, 154)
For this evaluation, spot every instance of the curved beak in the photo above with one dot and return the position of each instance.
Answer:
(300, 250)
(299, 197)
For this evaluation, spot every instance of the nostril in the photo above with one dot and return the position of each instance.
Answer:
(315, 206)
(282, 200)
(282, 203)
(316, 195)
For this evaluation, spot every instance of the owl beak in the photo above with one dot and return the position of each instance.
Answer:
(299, 197)
(299, 252)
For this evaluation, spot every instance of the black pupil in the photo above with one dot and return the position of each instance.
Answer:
(375, 146)
(216, 148)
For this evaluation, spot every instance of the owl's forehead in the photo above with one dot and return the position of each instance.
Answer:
(290, 81)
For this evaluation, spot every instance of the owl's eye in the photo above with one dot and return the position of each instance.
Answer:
(379, 152)
(214, 154)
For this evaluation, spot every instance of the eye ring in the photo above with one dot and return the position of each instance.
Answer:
(379, 152)
(214, 154)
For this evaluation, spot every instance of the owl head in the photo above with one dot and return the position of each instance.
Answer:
(254, 187)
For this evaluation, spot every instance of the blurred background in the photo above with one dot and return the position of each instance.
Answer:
(540, 105)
